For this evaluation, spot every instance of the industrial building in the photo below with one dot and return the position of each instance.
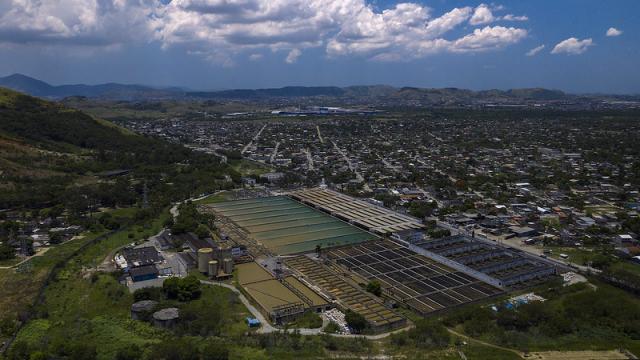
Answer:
(508, 267)
(361, 242)
(281, 300)
(360, 213)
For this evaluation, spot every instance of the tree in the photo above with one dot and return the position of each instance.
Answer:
(421, 209)
(7, 252)
(182, 289)
(202, 231)
(55, 238)
(129, 352)
(355, 321)
(374, 287)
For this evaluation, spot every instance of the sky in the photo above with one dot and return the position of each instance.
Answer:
(579, 46)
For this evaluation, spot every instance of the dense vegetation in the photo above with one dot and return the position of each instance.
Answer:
(576, 316)
(66, 156)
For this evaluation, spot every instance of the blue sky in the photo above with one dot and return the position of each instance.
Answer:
(216, 44)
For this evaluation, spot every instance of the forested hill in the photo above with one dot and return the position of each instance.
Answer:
(52, 126)
(46, 150)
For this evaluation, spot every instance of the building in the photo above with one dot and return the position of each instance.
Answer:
(142, 273)
(136, 257)
(409, 235)
(523, 231)
(272, 177)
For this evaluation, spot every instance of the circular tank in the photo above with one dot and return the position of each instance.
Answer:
(213, 268)
(227, 266)
(204, 256)
(224, 252)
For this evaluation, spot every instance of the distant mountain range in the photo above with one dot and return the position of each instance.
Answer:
(352, 94)
(40, 88)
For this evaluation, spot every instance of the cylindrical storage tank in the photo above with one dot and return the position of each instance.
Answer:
(213, 268)
(227, 266)
(224, 252)
(204, 256)
(166, 318)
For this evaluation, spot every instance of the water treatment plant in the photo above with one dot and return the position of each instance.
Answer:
(315, 249)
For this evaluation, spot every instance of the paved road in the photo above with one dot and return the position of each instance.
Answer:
(255, 138)
(309, 159)
(319, 135)
(351, 166)
(274, 153)
(174, 209)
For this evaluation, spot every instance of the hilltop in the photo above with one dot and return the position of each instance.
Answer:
(35, 87)
(47, 148)
(114, 91)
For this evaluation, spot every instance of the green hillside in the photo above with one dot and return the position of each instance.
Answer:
(50, 153)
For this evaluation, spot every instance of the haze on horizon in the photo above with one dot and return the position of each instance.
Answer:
(575, 45)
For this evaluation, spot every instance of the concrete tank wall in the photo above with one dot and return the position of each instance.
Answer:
(213, 268)
(204, 256)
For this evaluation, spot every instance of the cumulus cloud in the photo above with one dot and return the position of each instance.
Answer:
(511, 17)
(482, 15)
(612, 32)
(293, 56)
(220, 30)
(572, 46)
(535, 50)
(488, 38)
(76, 22)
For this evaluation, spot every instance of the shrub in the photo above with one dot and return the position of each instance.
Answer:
(355, 321)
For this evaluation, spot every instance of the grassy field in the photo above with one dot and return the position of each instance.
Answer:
(247, 167)
(94, 308)
(19, 287)
(471, 350)
(589, 334)
(576, 255)
(215, 198)
(309, 320)
(627, 266)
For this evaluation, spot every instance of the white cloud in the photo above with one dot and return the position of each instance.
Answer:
(293, 56)
(511, 17)
(255, 57)
(448, 21)
(100, 23)
(488, 38)
(482, 15)
(572, 46)
(613, 32)
(221, 30)
(535, 50)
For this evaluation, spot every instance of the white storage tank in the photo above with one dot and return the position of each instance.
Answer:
(227, 266)
(213, 268)
(204, 256)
